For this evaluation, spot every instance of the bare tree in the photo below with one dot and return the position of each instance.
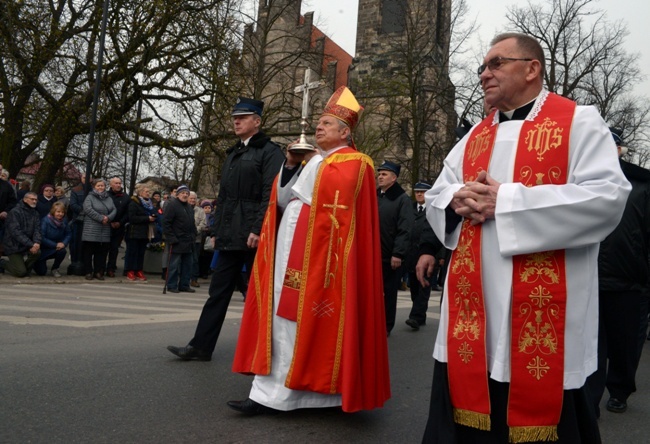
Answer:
(587, 62)
(408, 94)
(276, 47)
(152, 53)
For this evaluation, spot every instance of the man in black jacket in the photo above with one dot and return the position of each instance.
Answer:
(22, 239)
(624, 289)
(246, 179)
(121, 201)
(179, 230)
(395, 223)
(7, 202)
(420, 294)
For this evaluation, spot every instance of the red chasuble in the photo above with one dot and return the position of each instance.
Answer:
(340, 342)
(538, 291)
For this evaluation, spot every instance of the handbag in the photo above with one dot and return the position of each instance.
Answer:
(207, 245)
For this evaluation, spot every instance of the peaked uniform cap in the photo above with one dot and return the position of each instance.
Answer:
(246, 106)
(421, 186)
(617, 135)
(390, 166)
(344, 106)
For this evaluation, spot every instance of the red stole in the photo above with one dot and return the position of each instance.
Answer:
(288, 305)
(538, 294)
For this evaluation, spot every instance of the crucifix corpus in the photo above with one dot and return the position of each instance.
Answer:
(302, 146)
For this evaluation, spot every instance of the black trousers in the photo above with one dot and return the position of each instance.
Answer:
(94, 256)
(420, 297)
(134, 255)
(578, 424)
(623, 319)
(391, 280)
(117, 236)
(224, 278)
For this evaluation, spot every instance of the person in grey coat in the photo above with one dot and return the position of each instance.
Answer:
(99, 211)
(395, 223)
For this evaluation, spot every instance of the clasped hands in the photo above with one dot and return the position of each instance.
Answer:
(477, 200)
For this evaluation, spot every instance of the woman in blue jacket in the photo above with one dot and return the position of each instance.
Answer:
(55, 237)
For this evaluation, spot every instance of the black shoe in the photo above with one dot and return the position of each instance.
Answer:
(616, 406)
(250, 407)
(415, 325)
(188, 352)
(173, 290)
(436, 288)
(187, 290)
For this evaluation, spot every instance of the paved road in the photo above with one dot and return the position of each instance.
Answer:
(86, 362)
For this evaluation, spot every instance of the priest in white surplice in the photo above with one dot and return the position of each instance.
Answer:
(311, 331)
(523, 201)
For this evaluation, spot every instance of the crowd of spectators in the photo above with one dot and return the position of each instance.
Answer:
(39, 230)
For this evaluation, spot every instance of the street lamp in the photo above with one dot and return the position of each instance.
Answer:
(78, 267)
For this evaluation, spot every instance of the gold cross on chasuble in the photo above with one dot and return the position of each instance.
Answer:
(329, 274)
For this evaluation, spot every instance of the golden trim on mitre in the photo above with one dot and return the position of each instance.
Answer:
(344, 106)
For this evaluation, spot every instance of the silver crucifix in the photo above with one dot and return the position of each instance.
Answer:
(302, 146)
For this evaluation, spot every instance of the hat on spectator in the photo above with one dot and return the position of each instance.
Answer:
(421, 186)
(182, 189)
(246, 106)
(206, 203)
(390, 166)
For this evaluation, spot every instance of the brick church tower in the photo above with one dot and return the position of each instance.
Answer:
(401, 75)
(278, 48)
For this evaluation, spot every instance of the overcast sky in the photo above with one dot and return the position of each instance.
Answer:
(338, 18)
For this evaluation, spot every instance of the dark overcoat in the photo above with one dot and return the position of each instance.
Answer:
(246, 180)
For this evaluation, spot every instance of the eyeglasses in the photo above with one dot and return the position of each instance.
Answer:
(496, 63)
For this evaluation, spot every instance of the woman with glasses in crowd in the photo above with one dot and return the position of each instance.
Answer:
(139, 231)
(45, 200)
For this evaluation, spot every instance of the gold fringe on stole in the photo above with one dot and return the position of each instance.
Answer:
(532, 434)
(475, 420)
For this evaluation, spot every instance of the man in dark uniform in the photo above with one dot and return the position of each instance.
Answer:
(624, 288)
(395, 223)
(246, 180)
(420, 294)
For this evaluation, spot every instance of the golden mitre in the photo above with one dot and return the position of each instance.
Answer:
(344, 106)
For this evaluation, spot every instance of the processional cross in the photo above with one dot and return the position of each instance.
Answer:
(302, 146)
